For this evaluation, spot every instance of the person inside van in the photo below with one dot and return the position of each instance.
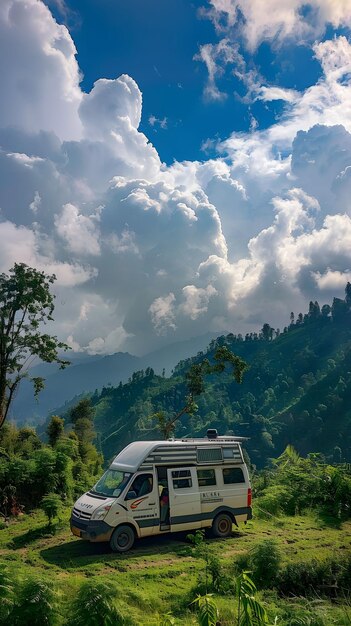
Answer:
(164, 506)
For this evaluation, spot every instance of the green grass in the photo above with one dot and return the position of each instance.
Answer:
(160, 574)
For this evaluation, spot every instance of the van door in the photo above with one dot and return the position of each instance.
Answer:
(184, 499)
(141, 502)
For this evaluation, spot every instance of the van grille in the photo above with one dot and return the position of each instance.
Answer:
(81, 514)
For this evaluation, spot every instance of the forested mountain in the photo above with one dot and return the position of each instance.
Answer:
(89, 372)
(297, 390)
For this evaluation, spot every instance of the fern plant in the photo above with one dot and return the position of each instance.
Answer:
(94, 606)
(36, 605)
(6, 595)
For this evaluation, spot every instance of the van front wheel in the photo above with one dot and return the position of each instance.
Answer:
(222, 525)
(122, 539)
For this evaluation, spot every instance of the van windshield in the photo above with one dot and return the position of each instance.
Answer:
(111, 483)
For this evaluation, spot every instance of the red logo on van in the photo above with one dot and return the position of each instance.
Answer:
(136, 503)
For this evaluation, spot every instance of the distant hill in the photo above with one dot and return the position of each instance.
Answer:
(297, 390)
(88, 373)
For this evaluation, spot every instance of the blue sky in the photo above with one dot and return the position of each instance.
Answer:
(181, 167)
(155, 42)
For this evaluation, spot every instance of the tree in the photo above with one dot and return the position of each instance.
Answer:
(26, 305)
(51, 505)
(267, 332)
(348, 294)
(55, 429)
(82, 410)
(82, 416)
(195, 379)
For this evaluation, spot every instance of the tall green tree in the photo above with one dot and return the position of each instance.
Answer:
(26, 304)
(55, 429)
(82, 416)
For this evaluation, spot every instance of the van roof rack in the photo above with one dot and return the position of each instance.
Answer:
(220, 438)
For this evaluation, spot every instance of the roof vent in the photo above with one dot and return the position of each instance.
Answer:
(212, 433)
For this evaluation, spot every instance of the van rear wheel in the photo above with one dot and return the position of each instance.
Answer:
(122, 539)
(222, 525)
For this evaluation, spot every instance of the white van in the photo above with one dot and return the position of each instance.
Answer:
(153, 487)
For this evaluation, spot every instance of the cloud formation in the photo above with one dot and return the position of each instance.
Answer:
(279, 20)
(146, 253)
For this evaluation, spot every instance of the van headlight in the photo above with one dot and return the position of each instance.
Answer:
(100, 512)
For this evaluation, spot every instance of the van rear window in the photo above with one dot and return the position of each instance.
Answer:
(206, 477)
(233, 475)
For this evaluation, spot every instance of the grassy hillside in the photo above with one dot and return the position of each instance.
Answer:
(162, 574)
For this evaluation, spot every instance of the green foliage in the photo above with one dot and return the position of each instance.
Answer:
(82, 410)
(31, 470)
(214, 576)
(264, 562)
(250, 610)
(82, 416)
(26, 303)
(273, 501)
(51, 505)
(35, 605)
(167, 620)
(55, 429)
(311, 578)
(95, 606)
(195, 384)
(299, 484)
(207, 610)
(7, 594)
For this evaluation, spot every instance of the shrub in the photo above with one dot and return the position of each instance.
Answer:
(275, 500)
(36, 605)
(310, 578)
(51, 505)
(94, 606)
(264, 562)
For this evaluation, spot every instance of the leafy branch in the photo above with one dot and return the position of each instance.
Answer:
(196, 385)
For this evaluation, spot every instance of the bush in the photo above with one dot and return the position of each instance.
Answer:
(94, 606)
(264, 563)
(36, 605)
(275, 500)
(310, 578)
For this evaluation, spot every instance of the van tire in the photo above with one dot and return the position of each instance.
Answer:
(122, 539)
(222, 525)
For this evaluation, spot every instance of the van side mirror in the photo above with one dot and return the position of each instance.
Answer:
(131, 495)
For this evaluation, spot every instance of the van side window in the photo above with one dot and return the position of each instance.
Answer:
(181, 479)
(142, 485)
(206, 477)
(233, 475)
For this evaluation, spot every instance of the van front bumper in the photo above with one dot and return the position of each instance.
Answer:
(91, 530)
